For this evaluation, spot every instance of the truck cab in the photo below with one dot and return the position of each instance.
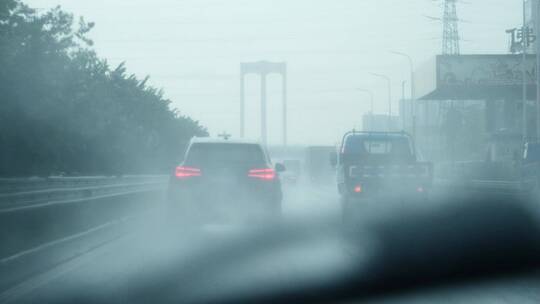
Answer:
(377, 164)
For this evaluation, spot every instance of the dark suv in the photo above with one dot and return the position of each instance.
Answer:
(221, 176)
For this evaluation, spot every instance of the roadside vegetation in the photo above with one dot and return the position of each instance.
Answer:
(64, 110)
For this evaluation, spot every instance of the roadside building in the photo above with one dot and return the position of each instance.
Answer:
(466, 100)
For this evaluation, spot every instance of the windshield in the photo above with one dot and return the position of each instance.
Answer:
(267, 151)
(202, 154)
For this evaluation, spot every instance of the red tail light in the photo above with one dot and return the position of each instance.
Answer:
(264, 174)
(186, 172)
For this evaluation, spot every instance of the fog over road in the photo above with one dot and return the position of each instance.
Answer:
(149, 260)
(212, 151)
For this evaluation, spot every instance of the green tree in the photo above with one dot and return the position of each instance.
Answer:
(64, 109)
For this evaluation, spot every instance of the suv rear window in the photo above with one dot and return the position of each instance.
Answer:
(203, 153)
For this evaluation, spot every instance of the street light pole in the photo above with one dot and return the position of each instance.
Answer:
(524, 73)
(389, 81)
(413, 93)
(537, 29)
(403, 84)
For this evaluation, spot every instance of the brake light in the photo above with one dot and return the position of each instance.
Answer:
(264, 174)
(358, 189)
(186, 172)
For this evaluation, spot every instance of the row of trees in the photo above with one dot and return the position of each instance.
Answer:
(65, 110)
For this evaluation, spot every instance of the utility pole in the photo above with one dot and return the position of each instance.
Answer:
(403, 83)
(285, 110)
(537, 33)
(242, 105)
(524, 41)
(264, 132)
(450, 29)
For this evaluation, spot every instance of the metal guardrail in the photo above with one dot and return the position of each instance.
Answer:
(10, 185)
(17, 194)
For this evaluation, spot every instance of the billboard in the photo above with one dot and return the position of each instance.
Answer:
(485, 70)
(468, 77)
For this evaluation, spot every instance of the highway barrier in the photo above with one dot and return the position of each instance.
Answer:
(35, 211)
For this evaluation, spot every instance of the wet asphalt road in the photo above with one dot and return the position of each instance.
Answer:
(152, 260)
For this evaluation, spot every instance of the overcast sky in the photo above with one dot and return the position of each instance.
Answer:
(192, 49)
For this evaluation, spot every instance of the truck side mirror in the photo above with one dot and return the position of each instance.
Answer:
(333, 159)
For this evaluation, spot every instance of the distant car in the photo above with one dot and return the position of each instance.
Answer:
(317, 169)
(228, 176)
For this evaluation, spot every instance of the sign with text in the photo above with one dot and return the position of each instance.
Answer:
(521, 37)
(485, 70)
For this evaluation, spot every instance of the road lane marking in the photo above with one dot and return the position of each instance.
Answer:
(13, 294)
(62, 240)
(71, 201)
